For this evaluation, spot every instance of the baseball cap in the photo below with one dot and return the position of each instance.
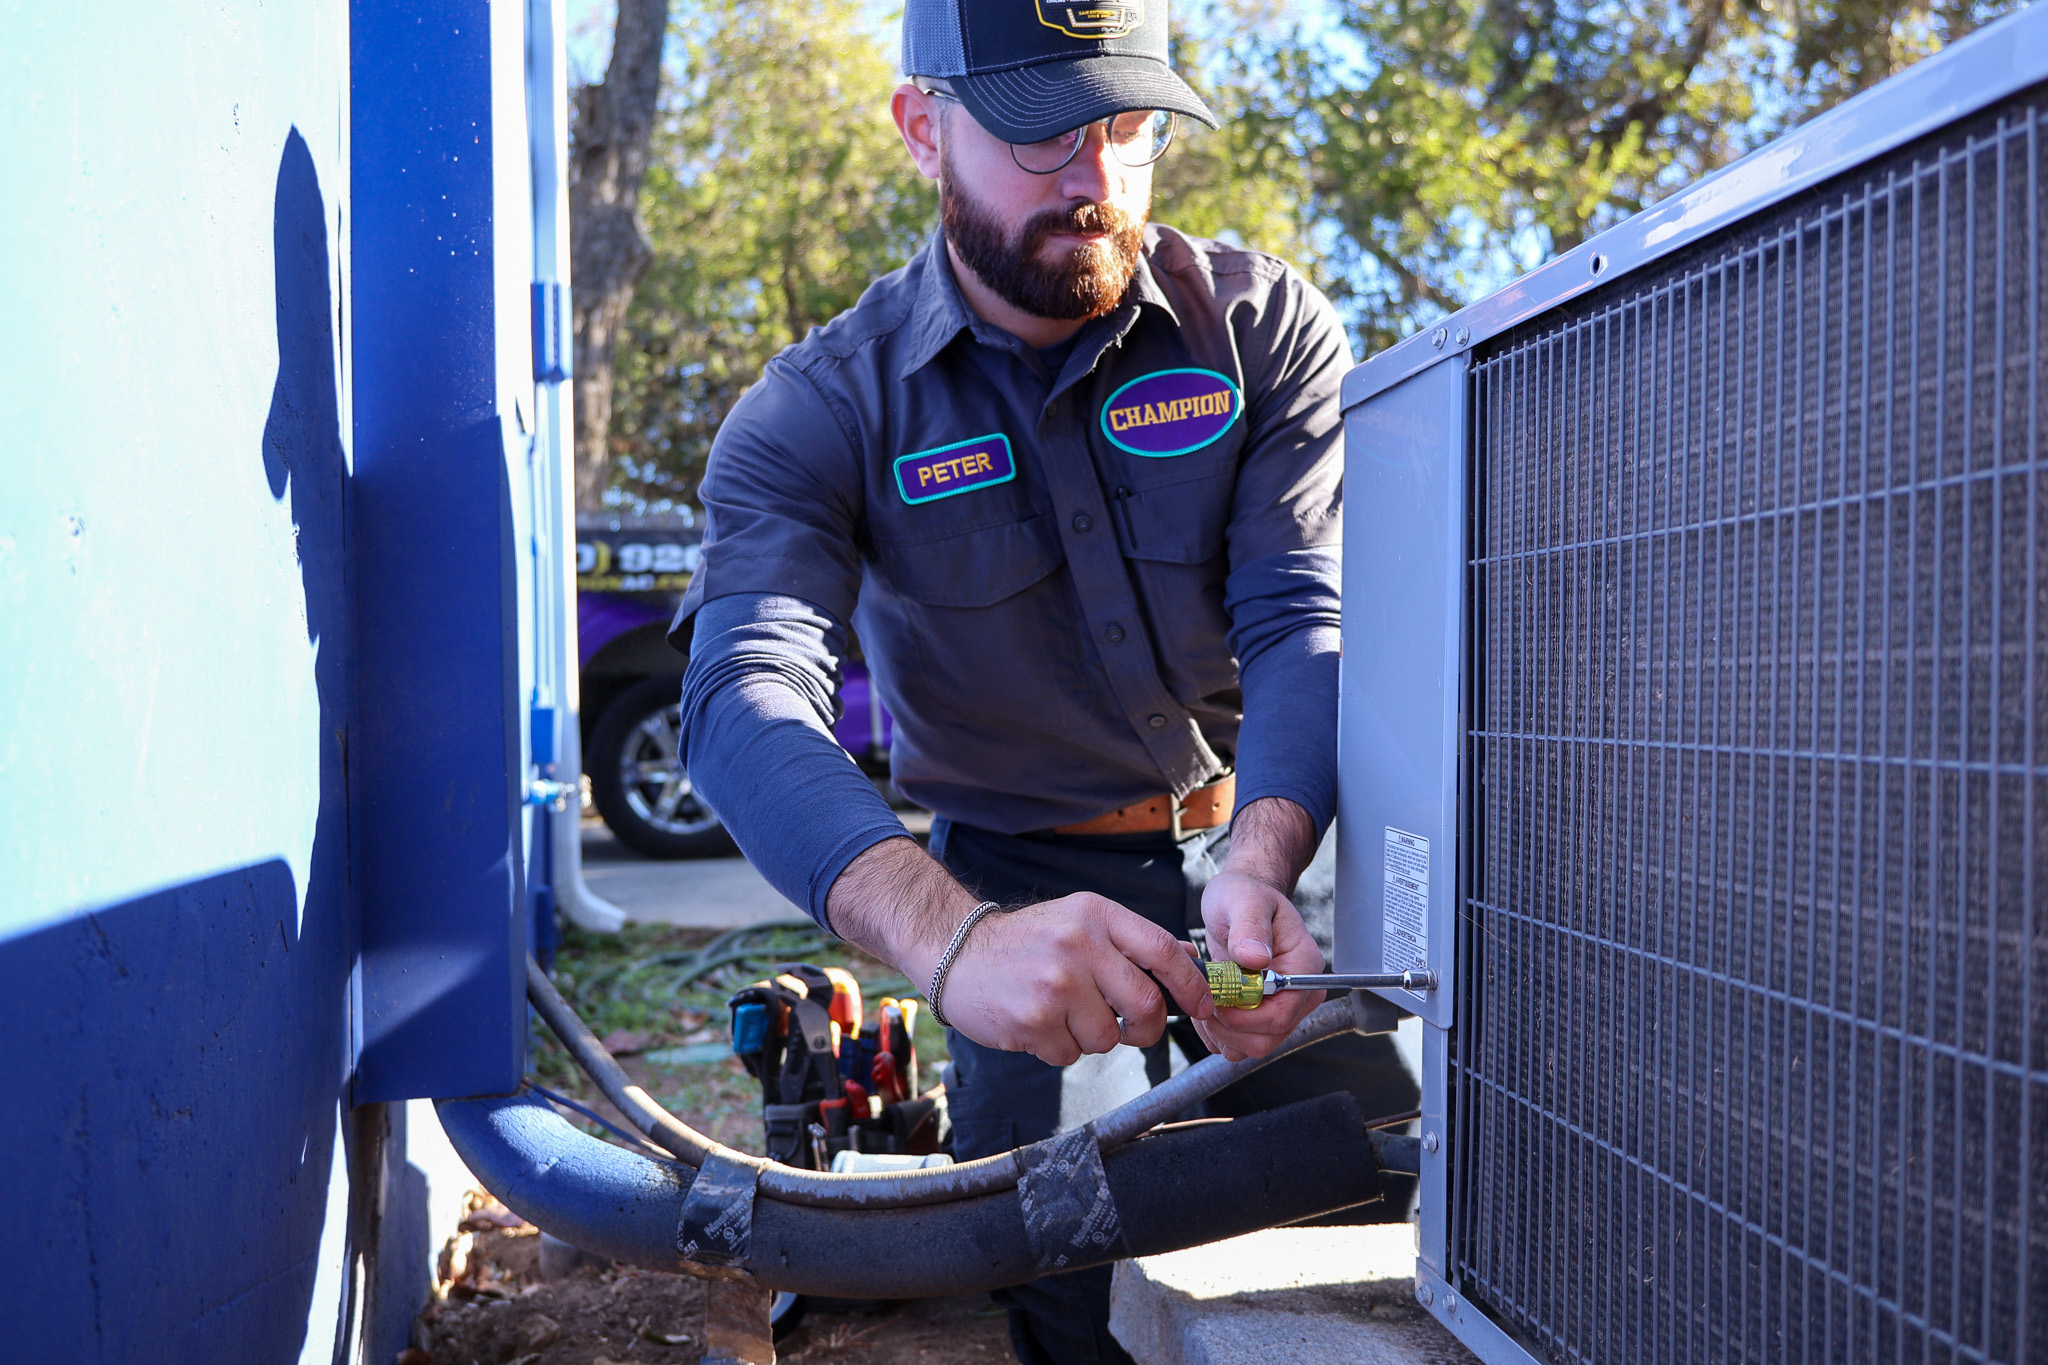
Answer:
(1028, 69)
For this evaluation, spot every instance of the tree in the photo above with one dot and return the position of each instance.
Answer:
(1242, 182)
(779, 191)
(1453, 143)
(1408, 155)
(608, 252)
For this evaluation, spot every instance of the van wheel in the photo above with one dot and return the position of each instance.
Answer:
(638, 782)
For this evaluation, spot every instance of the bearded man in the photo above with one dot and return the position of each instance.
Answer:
(1076, 483)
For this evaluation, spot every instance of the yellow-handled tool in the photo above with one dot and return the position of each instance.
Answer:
(1234, 988)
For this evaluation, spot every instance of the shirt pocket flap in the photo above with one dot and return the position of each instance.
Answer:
(973, 568)
(1178, 523)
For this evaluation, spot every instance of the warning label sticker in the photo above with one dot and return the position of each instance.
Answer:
(1405, 938)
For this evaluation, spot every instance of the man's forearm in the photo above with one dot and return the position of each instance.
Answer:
(1272, 839)
(900, 904)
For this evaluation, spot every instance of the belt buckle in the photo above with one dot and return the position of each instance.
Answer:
(1173, 810)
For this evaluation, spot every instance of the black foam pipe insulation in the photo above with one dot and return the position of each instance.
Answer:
(1177, 1187)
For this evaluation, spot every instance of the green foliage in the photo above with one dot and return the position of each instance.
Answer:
(1454, 143)
(1245, 182)
(780, 190)
(1408, 155)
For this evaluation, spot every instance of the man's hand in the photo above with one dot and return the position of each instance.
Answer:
(1050, 979)
(1252, 921)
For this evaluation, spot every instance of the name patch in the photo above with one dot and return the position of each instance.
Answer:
(1171, 412)
(958, 468)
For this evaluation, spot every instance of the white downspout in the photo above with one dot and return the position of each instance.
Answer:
(547, 101)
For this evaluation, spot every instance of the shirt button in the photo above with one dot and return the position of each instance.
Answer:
(1115, 633)
(1156, 722)
(1082, 521)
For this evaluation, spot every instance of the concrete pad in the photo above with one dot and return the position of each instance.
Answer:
(697, 893)
(1309, 1296)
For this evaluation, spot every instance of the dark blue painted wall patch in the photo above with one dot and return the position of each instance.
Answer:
(1171, 412)
(961, 467)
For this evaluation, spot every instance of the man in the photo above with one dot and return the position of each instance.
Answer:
(1076, 483)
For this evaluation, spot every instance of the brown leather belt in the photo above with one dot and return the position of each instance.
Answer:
(1202, 808)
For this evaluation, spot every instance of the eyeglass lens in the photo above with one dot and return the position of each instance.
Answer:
(1136, 138)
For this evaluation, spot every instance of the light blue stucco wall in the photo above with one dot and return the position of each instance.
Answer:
(158, 703)
(185, 1174)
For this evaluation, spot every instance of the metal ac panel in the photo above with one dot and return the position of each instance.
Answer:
(1398, 727)
(1749, 1054)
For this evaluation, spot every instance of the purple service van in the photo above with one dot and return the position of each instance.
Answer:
(630, 573)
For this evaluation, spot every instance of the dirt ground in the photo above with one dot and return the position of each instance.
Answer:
(493, 1308)
(641, 991)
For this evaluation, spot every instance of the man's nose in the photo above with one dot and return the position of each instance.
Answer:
(1094, 174)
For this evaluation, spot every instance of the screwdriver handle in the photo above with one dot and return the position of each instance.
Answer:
(1232, 987)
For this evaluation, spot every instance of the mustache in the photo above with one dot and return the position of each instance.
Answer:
(1048, 223)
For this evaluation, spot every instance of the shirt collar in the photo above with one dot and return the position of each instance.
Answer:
(1145, 289)
(940, 313)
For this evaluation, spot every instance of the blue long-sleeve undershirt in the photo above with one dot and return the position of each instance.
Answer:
(757, 741)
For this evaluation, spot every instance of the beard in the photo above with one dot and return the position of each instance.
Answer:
(1081, 284)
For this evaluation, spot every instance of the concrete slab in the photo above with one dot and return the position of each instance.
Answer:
(698, 893)
(1309, 1296)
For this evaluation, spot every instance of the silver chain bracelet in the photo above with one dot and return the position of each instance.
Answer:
(974, 917)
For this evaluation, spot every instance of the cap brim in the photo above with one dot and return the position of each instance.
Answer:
(1036, 102)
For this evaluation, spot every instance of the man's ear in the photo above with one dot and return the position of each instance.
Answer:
(917, 119)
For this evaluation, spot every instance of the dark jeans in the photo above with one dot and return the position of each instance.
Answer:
(1000, 1100)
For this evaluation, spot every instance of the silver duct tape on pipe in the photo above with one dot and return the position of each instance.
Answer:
(899, 1189)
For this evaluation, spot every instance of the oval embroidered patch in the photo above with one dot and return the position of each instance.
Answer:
(1170, 412)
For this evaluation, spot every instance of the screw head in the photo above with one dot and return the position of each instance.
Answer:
(1450, 1303)
(1429, 1141)
(1425, 1295)
(1438, 337)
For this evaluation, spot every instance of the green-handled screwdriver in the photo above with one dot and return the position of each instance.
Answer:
(1234, 988)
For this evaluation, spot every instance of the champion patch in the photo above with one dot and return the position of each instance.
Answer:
(1171, 412)
(1092, 18)
(958, 468)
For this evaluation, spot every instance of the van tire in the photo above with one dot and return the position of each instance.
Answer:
(639, 787)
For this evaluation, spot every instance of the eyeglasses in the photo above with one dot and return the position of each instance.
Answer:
(1137, 137)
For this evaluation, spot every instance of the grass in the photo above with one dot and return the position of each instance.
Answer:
(652, 988)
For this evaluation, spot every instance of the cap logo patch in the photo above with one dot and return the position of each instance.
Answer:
(1091, 18)
(1171, 412)
(958, 468)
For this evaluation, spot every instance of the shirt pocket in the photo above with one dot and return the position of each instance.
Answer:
(1182, 521)
(978, 567)
(991, 623)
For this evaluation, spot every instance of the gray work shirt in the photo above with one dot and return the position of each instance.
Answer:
(1053, 576)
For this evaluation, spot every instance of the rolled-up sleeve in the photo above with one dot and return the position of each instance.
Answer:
(757, 711)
